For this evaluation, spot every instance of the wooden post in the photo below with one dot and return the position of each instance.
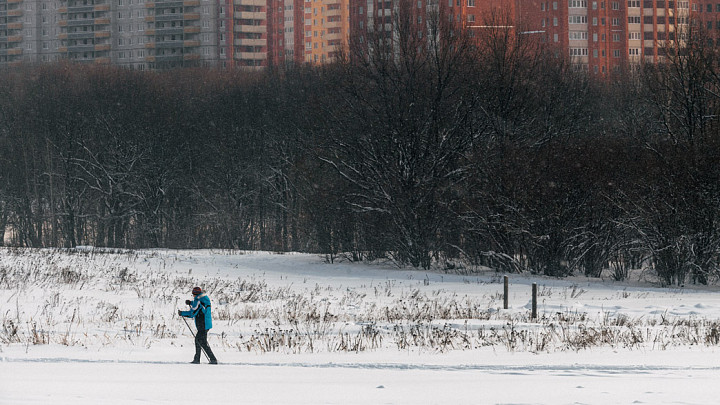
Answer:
(534, 300)
(505, 296)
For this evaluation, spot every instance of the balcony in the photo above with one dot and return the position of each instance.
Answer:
(191, 56)
(15, 51)
(251, 42)
(191, 44)
(165, 4)
(14, 1)
(80, 9)
(250, 2)
(77, 35)
(102, 47)
(192, 16)
(102, 21)
(191, 30)
(81, 48)
(248, 15)
(333, 24)
(15, 38)
(15, 26)
(102, 7)
(191, 3)
(251, 55)
(102, 34)
(251, 28)
(102, 61)
(169, 17)
(167, 58)
(167, 45)
(15, 13)
(76, 23)
(166, 31)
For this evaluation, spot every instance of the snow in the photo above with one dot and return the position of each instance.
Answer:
(106, 334)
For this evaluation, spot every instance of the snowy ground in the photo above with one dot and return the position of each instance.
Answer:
(291, 329)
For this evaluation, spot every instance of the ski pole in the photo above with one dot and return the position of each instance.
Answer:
(193, 335)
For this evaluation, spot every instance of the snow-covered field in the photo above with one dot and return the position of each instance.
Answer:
(84, 327)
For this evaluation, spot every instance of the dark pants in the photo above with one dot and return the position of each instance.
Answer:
(201, 343)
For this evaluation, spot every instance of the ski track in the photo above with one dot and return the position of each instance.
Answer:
(490, 368)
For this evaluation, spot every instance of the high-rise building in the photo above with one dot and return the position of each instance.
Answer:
(603, 36)
(600, 36)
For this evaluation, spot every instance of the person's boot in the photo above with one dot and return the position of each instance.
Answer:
(195, 361)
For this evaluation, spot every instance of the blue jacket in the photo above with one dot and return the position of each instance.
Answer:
(200, 310)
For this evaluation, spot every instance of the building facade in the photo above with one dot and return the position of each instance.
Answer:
(600, 36)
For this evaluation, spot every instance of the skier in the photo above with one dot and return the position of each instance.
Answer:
(200, 310)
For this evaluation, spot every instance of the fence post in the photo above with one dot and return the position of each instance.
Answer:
(505, 296)
(534, 300)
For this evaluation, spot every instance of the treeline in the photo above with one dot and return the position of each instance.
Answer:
(430, 154)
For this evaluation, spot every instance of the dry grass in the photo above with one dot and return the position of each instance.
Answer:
(105, 298)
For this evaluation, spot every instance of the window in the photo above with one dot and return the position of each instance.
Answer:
(615, 22)
(633, 3)
(577, 19)
(594, 21)
(616, 53)
(577, 4)
(615, 5)
(471, 17)
(595, 37)
(616, 37)
(555, 38)
(594, 5)
(578, 35)
(634, 35)
(578, 52)
(595, 53)
(555, 22)
(634, 51)
(634, 20)
(471, 3)
(554, 5)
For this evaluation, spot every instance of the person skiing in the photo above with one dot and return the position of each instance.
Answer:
(200, 310)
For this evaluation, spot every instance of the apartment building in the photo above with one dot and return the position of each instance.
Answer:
(600, 36)
(603, 36)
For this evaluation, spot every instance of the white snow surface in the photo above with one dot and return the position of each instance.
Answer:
(108, 333)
